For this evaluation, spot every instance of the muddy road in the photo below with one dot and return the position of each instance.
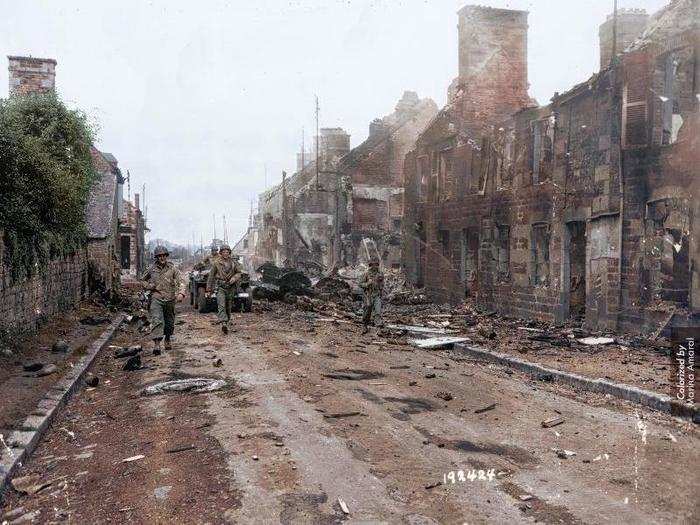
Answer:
(320, 424)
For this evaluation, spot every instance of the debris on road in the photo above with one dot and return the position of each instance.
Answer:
(446, 396)
(340, 415)
(563, 453)
(343, 506)
(33, 367)
(133, 363)
(130, 351)
(60, 347)
(91, 380)
(195, 385)
(133, 458)
(46, 370)
(181, 448)
(594, 341)
(485, 409)
(437, 342)
(553, 422)
(419, 329)
(433, 485)
(218, 363)
(30, 484)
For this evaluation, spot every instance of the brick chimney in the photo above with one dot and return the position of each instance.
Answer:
(31, 75)
(630, 24)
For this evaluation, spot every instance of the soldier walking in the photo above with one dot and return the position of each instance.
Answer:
(224, 276)
(165, 282)
(206, 262)
(372, 283)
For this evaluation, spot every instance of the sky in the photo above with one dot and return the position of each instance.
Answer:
(204, 102)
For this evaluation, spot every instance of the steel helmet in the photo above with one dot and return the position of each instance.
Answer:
(225, 247)
(160, 250)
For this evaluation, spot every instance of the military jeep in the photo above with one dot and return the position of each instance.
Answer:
(203, 302)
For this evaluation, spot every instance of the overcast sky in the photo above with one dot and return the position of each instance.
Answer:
(196, 98)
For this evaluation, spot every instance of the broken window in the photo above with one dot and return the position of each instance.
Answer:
(470, 254)
(542, 136)
(673, 77)
(422, 186)
(539, 250)
(444, 240)
(502, 251)
(668, 250)
(397, 225)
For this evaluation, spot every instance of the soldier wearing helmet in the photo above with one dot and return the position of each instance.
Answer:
(206, 262)
(223, 277)
(165, 282)
(372, 284)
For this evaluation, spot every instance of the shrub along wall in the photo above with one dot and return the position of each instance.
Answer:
(46, 171)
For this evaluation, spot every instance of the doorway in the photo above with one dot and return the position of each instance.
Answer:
(125, 250)
(577, 269)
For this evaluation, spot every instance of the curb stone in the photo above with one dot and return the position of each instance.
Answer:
(640, 396)
(20, 443)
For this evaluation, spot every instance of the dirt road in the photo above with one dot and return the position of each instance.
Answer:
(315, 414)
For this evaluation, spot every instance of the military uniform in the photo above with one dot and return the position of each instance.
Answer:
(372, 283)
(166, 284)
(206, 262)
(223, 277)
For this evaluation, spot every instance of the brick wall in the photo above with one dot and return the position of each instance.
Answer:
(26, 303)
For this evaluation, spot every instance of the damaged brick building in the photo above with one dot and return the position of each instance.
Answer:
(355, 194)
(581, 209)
(374, 169)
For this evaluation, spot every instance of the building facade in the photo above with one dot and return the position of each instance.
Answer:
(581, 209)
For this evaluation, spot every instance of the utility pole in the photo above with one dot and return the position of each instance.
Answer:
(213, 220)
(614, 38)
(317, 140)
(284, 214)
(225, 230)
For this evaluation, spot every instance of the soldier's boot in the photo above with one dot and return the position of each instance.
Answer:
(156, 347)
(168, 345)
(224, 328)
(365, 329)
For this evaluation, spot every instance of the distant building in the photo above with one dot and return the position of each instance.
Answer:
(102, 217)
(132, 239)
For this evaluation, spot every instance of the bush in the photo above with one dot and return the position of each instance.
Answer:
(46, 171)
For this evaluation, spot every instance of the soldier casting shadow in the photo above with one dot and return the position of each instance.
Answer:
(165, 282)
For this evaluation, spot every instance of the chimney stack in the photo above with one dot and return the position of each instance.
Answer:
(31, 75)
(630, 24)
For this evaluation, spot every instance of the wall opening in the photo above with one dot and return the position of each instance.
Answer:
(577, 269)
(125, 250)
(539, 254)
(470, 259)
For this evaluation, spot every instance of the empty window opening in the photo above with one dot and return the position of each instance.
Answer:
(577, 269)
(444, 241)
(502, 251)
(539, 249)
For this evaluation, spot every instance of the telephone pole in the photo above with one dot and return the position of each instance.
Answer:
(317, 140)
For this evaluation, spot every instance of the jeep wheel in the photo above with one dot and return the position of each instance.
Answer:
(202, 300)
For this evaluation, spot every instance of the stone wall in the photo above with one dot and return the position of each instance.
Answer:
(24, 304)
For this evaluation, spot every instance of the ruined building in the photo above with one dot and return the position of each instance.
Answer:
(299, 220)
(374, 169)
(581, 209)
(318, 220)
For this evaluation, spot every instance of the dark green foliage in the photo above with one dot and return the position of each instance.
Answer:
(46, 170)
